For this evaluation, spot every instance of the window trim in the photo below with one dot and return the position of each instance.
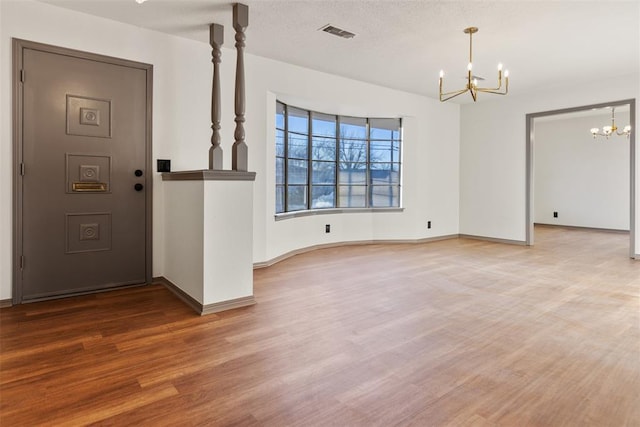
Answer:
(333, 211)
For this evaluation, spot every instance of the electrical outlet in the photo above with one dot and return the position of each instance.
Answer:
(327, 228)
(428, 224)
(555, 214)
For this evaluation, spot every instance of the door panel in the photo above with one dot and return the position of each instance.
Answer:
(84, 222)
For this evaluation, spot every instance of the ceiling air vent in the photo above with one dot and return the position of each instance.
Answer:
(337, 31)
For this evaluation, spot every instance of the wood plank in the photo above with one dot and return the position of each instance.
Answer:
(456, 332)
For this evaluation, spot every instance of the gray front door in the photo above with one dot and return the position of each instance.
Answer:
(85, 187)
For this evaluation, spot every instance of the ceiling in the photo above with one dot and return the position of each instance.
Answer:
(403, 44)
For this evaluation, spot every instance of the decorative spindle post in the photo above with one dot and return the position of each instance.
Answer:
(216, 38)
(239, 154)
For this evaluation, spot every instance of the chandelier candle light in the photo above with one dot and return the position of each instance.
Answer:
(472, 81)
(607, 131)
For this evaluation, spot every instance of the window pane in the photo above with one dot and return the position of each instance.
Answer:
(280, 143)
(384, 151)
(298, 146)
(279, 170)
(352, 196)
(297, 197)
(384, 196)
(323, 196)
(384, 129)
(298, 120)
(323, 125)
(323, 173)
(384, 173)
(323, 148)
(356, 165)
(353, 128)
(279, 115)
(297, 172)
(353, 151)
(279, 198)
(352, 173)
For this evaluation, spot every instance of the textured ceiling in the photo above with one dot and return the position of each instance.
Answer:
(403, 44)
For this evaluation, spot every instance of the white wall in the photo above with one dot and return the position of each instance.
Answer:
(182, 69)
(585, 180)
(181, 129)
(430, 159)
(207, 258)
(184, 263)
(492, 153)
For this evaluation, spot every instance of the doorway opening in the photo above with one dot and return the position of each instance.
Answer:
(589, 207)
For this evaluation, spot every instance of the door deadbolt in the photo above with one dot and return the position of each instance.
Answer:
(138, 187)
(138, 172)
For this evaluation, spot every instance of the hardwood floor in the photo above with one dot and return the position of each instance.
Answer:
(457, 332)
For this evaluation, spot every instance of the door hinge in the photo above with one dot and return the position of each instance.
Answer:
(21, 262)
(22, 169)
(21, 76)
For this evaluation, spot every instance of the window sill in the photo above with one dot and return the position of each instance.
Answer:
(334, 211)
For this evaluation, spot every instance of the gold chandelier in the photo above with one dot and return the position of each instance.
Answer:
(472, 81)
(607, 131)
